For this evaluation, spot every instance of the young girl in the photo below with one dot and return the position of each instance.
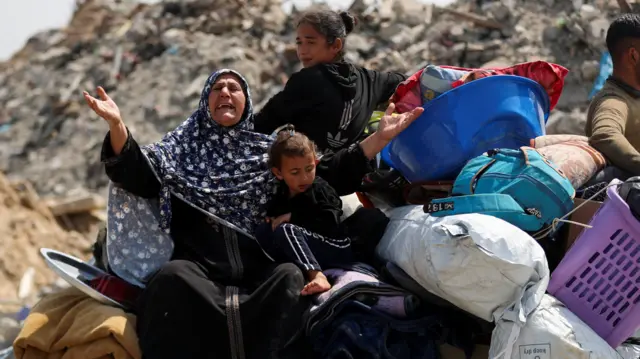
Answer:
(303, 219)
(330, 100)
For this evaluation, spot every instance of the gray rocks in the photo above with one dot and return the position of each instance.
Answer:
(153, 60)
(9, 330)
(589, 70)
(566, 123)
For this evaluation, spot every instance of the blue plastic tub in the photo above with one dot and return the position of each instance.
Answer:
(502, 111)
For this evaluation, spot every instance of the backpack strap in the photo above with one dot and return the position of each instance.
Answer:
(502, 206)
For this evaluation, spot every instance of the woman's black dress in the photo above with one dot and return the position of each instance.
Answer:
(220, 296)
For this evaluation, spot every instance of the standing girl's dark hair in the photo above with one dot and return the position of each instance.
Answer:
(330, 24)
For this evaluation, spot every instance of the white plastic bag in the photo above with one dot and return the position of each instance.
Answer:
(479, 263)
(552, 332)
(629, 351)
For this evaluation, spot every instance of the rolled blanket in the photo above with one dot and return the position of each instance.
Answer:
(548, 140)
(70, 325)
(572, 155)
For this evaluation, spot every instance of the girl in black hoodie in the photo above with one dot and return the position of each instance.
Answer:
(329, 100)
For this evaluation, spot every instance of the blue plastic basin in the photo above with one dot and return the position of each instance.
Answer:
(502, 111)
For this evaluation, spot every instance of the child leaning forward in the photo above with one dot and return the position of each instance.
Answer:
(303, 218)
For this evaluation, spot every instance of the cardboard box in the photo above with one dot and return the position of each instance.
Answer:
(582, 215)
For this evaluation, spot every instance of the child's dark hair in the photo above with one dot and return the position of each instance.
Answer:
(331, 24)
(289, 143)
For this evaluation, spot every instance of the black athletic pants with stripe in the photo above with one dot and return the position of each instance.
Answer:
(308, 250)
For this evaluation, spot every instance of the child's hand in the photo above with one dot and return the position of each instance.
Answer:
(275, 222)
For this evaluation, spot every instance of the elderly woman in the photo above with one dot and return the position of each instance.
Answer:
(220, 296)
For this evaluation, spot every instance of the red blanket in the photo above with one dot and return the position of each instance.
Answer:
(407, 93)
(550, 76)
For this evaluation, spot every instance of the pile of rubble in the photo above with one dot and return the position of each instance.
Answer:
(27, 224)
(153, 60)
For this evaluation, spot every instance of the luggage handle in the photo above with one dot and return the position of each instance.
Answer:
(490, 203)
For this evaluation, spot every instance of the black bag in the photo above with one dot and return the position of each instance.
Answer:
(365, 227)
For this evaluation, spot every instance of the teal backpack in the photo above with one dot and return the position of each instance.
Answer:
(519, 186)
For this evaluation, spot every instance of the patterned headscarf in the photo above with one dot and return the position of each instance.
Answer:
(220, 170)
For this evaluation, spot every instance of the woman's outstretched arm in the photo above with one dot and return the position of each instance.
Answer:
(118, 136)
(125, 164)
(345, 169)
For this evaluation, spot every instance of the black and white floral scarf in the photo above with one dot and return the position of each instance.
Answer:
(220, 170)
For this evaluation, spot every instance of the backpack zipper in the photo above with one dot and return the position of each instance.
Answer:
(481, 171)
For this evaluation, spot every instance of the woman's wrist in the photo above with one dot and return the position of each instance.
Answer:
(117, 126)
(118, 134)
(372, 145)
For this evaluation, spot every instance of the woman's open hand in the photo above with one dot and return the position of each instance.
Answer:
(391, 125)
(104, 107)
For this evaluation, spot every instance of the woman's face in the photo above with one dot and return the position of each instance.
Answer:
(312, 47)
(227, 100)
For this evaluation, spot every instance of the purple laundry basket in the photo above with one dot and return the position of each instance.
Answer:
(599, 277)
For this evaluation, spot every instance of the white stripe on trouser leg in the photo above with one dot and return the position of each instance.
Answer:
(293, 248)
(334, 242)
(306, 263)
(338, 243)
(297, 240)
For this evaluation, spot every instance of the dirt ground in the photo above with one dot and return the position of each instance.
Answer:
(26, 225)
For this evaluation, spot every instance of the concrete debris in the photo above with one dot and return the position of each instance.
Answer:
(26, 225)
(9, 330)
(153, 59)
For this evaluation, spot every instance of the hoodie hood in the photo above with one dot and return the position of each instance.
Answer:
(343, 75)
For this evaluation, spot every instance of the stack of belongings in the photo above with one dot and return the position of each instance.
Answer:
(473, 191)
(470, 220)
(467, 112)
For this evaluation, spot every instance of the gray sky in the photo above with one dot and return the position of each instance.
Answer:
(19, 19)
